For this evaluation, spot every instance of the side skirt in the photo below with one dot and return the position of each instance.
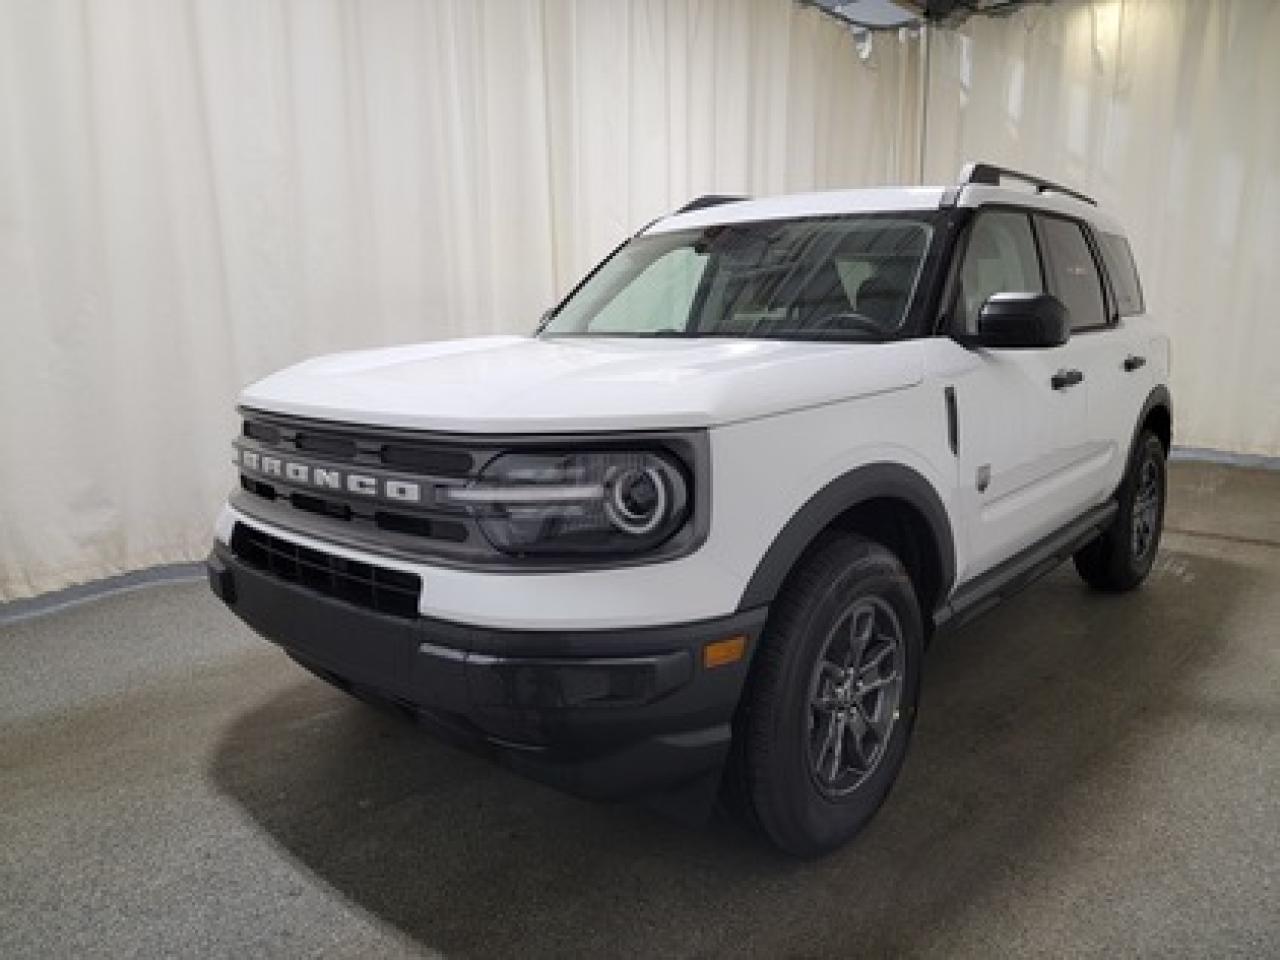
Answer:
(1007, 578)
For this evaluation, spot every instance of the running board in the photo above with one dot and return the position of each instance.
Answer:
(1004, 580)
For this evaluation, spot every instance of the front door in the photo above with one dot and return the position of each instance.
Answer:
(1022, 414)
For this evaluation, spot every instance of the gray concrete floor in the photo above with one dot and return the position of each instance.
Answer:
(1090, 775)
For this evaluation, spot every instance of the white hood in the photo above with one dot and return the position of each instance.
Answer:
(526, 385)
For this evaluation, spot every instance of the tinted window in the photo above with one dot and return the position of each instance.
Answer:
(838, 278)
(1073, 275)
(1118, 259)
(1000, 258)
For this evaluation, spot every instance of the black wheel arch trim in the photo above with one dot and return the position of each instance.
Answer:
(1158, 397)
(869, 482)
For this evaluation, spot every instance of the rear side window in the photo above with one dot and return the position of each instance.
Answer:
(1073, 274)
(1118, 259)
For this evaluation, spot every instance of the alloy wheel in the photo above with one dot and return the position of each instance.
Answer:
(855, 696)
(1146, 509)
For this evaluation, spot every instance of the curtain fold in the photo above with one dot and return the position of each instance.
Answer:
(193, 194)
(1167, 112)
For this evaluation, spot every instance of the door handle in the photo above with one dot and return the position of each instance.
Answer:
(1133, 362)
(1066, 378)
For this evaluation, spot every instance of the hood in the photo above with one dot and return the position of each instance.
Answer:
(528, 385)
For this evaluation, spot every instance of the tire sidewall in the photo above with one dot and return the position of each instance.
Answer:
(828, 821)
(1149, 448)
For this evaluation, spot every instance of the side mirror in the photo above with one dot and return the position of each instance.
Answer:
(1021, 321)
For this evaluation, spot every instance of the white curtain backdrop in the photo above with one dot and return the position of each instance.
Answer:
(193, 194)
(1169, 112)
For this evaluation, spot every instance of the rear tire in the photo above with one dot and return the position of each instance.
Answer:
(1121, 557)
(832, 698)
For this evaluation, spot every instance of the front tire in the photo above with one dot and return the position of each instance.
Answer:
(1121, 557)
(833, 696)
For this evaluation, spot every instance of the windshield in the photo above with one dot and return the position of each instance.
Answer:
(835, 278)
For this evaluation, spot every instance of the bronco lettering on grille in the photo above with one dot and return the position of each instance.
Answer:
(301, 472)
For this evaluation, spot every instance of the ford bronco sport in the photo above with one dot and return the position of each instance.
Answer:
(690, 537)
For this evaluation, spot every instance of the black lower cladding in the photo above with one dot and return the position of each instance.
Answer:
(605, 714)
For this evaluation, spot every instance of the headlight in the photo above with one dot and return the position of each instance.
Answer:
(577, 503)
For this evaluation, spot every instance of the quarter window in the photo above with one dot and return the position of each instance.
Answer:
(1000, 258)
(1118, 259)
(1073, 274)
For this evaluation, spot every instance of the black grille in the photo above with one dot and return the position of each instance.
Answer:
(335, 448)
(428, 527)
(261, 431)
(362, 445)
(444, 463)
(363, 584)
(433, 528)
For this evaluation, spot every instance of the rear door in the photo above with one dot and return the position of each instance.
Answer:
(1074, 276)
(1129, 365)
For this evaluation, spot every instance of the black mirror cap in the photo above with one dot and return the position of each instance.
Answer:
(1023, 321)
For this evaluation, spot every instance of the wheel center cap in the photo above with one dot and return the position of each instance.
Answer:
(847, 691)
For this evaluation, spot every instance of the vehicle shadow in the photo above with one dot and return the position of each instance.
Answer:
(1023, 710)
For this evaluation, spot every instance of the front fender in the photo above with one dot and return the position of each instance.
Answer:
(868, 482)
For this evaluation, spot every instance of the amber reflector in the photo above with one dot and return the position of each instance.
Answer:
(720, 652)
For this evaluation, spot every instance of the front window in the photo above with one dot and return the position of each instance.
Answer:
(833, 278)
(1000, 258)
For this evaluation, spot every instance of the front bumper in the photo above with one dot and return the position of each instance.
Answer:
(607, 714)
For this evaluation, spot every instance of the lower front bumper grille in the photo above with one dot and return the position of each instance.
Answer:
(601, 713)
(362, 584)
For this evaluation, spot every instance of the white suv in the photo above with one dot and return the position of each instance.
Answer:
(693, 535)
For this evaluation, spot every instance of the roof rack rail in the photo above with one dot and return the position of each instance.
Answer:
(709, 200)
(990, 175)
